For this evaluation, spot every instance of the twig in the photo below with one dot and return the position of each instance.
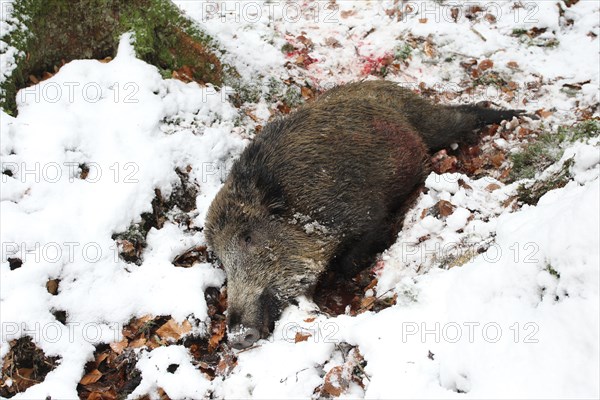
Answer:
(475, 31)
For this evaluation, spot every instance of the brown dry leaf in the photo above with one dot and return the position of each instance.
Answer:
(464, 185)
(218, 329)
(367, 303)
(512, 65)
(284, 108)
(226, 364)
(306, 92)
(47, 75)
(445, 207)
(162, 395)
(137, 343)
(91, 377)
(301, 337)
(372, 284)
(118, 347)
(173, 330)
(430, 50)
(443, 163)
(467, 64)
(33, 79)
(497, 159)
(311, 319)
(348, 13)
(490, 18)
(335, 382)
(106, 60)
(333, 42)
(132, 329)
(486, 64)
(423, 20)
(305, 41)
(127, 247)
(101, 357)
(544, 114)
(52, 286)
(454, 13)
(108, 395)
(251, 115)
(185, 74)
(492, 186)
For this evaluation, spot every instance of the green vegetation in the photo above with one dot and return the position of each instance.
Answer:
(584, 130)
(535, 157)
(403, 52)
(530, 193)
(547, 149)
(552, 271)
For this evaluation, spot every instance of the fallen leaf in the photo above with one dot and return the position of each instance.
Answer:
(423, 20)
(445, 208)
(127, 248)
(543, 113)
(173, 330)
(311, 319)
(52, 286)
(497, 159)
(333, 42)
(91, 377)
(226, 364)
(430, 50)
(108, 395)
(218, 329)
(490, 18)
(468, 64)
(492, 186)
(139, 342)
(118, 347)
(486, 64)
(512, 65)
(464, 185)
(367, 303)
(306, 92)
(301, 337)
(335, 381)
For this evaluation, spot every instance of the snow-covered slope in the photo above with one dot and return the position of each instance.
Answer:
(518, 317)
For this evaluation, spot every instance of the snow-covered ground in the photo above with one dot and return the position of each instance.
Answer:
(518, 318)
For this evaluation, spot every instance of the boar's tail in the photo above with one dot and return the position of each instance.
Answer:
(456, 124)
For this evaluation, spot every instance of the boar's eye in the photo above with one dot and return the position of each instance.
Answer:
(248, 239)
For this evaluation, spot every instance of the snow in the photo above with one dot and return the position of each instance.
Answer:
(507, 303)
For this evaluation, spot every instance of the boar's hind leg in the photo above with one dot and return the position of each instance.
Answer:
(360, 253)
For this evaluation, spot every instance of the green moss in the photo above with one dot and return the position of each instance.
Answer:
(49, 32)
(519, 32)
(403, 52)
(537, 156)
(548, 149)
(582, 131)
(552, 271)
(287, 48)
(530, 193)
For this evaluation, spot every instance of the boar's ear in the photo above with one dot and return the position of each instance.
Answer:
(272, 193)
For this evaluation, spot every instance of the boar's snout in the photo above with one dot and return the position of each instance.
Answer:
(242, 337)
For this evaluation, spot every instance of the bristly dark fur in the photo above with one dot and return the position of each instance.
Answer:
(326, 187)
